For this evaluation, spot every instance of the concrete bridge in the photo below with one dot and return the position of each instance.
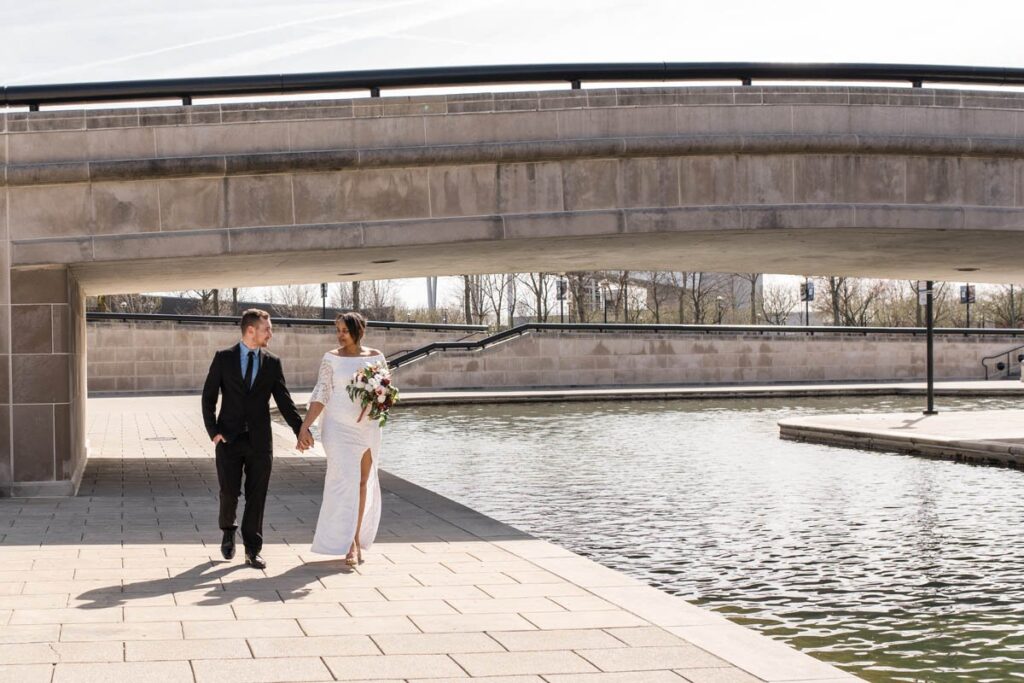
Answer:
(886, 182)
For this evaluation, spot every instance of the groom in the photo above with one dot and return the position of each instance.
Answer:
(245, 375)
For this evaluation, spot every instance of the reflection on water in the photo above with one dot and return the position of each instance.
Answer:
(893, 567)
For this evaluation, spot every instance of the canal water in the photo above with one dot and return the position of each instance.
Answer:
(893, 567)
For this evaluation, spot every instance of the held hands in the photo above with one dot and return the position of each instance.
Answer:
(305, 441)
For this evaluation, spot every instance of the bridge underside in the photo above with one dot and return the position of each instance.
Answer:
(883, 253)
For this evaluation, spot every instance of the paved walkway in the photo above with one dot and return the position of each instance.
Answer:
(125, 583)
(980, 436)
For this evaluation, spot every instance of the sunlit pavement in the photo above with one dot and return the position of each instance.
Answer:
(126, 582)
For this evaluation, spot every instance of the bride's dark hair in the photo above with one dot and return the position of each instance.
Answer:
(355, 323)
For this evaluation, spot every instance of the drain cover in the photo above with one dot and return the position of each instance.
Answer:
(162, 438)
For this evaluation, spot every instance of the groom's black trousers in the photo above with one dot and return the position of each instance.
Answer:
(234, 459)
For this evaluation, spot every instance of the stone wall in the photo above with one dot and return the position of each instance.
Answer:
(164, 356)
(566, 358)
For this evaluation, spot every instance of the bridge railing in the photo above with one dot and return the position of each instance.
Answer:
(185, 89)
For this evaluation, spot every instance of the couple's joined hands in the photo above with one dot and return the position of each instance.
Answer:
(305, 441)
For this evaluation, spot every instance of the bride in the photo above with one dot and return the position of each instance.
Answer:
(350, 511)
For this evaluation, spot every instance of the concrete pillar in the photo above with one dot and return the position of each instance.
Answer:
(42, 383)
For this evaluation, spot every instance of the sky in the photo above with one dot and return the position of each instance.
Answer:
(60, 41)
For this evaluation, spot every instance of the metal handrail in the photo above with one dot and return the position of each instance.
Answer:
(519, 330)
(217, 319)
(1009, 360)
(374, 80)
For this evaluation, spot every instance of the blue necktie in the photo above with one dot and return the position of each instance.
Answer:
(248, 372)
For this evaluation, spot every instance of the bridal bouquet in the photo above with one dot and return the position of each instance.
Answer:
(371, 387)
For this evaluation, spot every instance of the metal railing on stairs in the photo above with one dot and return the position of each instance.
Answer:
(1002, 364)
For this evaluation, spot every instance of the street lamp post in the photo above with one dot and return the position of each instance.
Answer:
(323, 297)
(930, 364)
(718, 305)
(604, 297)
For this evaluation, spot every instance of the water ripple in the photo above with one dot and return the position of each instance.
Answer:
(893, 567)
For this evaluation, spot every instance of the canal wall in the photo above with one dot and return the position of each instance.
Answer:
(160, 356)
(576, 358)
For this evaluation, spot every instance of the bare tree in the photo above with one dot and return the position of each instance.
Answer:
(658, 291)
(849, 300)
(1002, 305)
(679, 281)
(341, 296)
(778, 303)
(494, 289)
(381, 298)
(702, 291)
(125, 303)
(582, 286)
(204, 300)
(751, 279)
(536, 288)
(296, 301)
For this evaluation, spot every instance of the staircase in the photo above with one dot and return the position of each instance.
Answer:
(1004, 365)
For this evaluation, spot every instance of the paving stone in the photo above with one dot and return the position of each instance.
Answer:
(32, 633)
(455, 623)
(431, 592)
(452, 579)
(643, 658)
(171, 650)
(532, 590)
(102, 632)
(26, 673)
(555, 640)
(126, 672)
(290, 670)
(67, 616)
(435, 643)
(726, 675)
(495, 605)
(645, 636)
(177, 613)
(339, 595)
(357, 626)
(399, 607)
(582, 603)
(571, 620)
(250, 628)
(39, 653)
(542, 663)
(393, 666)
(490, 679)
(292, 610)
(315, 646)
(627, 677)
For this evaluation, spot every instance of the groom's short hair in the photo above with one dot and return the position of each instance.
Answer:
(251, 317)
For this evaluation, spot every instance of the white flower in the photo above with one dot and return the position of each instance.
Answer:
(381, 398)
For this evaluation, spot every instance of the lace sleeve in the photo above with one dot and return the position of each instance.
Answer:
(324, 383)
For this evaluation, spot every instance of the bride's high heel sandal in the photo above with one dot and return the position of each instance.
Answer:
(354, 557)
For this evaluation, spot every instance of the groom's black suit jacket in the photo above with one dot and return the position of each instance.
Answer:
(242, 410)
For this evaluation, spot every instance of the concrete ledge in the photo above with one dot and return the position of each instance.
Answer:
(978, 437)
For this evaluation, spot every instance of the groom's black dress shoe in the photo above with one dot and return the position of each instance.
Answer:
(227, 545)
(254, 560)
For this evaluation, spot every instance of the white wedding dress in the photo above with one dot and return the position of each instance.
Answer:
(344, 441)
